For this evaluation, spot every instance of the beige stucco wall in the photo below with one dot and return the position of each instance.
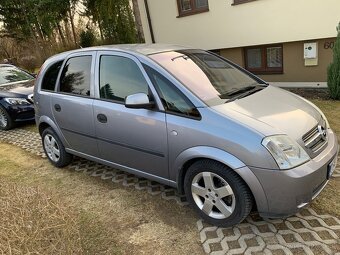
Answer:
(294, 69)
(253, 23)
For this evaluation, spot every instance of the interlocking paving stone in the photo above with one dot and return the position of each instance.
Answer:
(279, 236)
(305, 233)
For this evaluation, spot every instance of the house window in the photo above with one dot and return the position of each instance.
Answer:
(242, 1)
(190, 7)
(264, 59)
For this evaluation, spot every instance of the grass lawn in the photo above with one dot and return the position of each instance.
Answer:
(45, 210)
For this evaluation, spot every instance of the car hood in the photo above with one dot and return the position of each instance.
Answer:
(273, 111)
(17, 89)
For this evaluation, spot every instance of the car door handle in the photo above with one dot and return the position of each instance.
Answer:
(57, 107)
(101, 118)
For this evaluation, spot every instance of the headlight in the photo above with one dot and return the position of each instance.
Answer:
(286, 152)
(17, 101)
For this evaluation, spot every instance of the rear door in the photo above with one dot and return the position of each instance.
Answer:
(72, 105)
(134, 138)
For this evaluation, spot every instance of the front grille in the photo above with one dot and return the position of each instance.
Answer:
(316, 138)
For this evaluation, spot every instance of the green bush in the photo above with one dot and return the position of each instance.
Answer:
(333, 71)
(87, 38)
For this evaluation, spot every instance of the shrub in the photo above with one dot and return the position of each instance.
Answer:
(333, 71)
(87, 38)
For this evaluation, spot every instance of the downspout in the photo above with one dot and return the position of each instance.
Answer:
(149, 21)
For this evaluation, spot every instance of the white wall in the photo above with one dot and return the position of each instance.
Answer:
(253, 23)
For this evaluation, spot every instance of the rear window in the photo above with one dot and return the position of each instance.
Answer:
(50, 77)
(10, 74)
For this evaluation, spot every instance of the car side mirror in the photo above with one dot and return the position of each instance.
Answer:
(138, 101)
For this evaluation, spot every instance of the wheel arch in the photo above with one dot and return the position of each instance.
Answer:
(46, 122)
(192, 155)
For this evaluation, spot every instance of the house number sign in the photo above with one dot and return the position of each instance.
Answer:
(328, 45)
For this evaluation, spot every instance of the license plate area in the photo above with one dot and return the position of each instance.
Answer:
(331, 167)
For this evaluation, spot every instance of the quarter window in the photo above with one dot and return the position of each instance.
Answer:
(173, 100)
(264, 59)
(50, 77)
(76, 76)
(119, 78)
(189, 7)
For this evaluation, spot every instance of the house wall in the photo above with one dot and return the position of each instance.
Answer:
(294, 69)
(254, 23)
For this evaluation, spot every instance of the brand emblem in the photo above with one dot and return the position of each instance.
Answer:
(322, 132)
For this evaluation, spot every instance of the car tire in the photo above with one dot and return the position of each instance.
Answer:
(6, 122)
(54, 149)
(217, 193)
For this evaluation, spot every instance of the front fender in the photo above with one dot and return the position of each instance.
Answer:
(199, 152)
(49, 121)
(204, 152)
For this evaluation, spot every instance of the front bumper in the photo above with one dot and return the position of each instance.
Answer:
(287, 191)
(21, 112)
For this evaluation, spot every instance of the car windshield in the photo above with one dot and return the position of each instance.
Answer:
(10, 74)
(209, 77)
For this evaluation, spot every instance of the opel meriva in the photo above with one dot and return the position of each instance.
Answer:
(189, 119)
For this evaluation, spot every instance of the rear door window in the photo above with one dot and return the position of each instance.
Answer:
(76, 76)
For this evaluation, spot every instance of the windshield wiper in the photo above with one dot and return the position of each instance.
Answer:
(237, 91)
(242, 92)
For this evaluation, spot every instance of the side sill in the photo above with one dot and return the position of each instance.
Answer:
(124, 168)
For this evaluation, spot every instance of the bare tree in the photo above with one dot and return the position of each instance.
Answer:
(138, 20)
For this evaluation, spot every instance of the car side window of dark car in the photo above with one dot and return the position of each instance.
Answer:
(50, 77)
(120, 77)
(76, 76)
(172, 98)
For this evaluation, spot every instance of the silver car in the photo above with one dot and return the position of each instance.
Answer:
(189, 119)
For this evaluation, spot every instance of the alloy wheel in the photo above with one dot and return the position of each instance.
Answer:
(213, 195)
(52, 148)
(3, 118)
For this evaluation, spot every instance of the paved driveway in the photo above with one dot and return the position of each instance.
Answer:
(305, 233)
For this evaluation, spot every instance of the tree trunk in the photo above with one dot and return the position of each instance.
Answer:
(39, 31)
(67, 32)
(61, 34)
(73, 28)
(33, 35)
(101, 31)
(138, 21)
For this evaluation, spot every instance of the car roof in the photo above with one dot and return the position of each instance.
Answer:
(144, 49)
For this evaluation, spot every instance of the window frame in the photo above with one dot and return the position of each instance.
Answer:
(113, 100)
(160, 94)
(74, 55)
(194, 10)
(56, 84)
(154, 94)
(263, 69)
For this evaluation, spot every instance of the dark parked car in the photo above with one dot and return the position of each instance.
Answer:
(16, 96)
